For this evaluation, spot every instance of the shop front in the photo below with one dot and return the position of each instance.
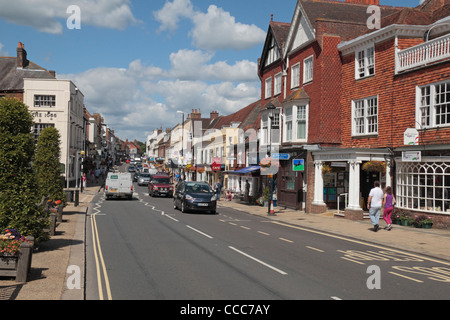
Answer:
(343, 179)
(291, 178)
(423, 182)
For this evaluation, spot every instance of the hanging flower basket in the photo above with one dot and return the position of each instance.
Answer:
(374, 166)
(201, 170)
(326, 169)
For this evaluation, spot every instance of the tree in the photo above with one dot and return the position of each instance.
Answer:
(46, 165)
(18, 192)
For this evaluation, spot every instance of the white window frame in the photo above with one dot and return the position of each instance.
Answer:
(290, 123)
(268, 88)
(365, 62)
(295, 75)
(308, 69)
(363, 119)
(428, 101)
(44, 101)
(277, 84)
(424, 186)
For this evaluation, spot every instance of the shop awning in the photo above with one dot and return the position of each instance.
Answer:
(247, 170)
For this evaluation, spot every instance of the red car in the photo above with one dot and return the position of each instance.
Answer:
(160, 185)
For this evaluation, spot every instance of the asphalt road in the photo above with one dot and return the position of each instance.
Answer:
(146, 250)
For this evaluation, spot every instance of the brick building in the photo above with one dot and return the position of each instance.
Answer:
(397, 84)
(300, 71)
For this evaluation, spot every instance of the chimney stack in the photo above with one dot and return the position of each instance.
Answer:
(22, 61)
(196, 114)
(214, 115)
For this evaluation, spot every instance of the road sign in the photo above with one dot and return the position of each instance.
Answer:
(281, 156)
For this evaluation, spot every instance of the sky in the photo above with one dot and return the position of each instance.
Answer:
(138, 62)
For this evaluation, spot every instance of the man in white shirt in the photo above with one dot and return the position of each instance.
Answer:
(374, 204)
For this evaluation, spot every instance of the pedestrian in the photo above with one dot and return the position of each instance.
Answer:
(218, 189)
(247, 191)
(388, 205)
(84, 180)
(374, 204)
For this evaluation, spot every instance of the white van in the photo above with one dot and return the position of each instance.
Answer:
(119, 185)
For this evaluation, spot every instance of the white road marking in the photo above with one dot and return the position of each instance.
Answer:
(259, 261)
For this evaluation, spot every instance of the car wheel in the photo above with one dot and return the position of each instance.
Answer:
(175, 205)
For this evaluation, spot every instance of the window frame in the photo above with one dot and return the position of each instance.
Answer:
(428, 100)
(295, 75)
(268, 88)
(368, 61)
(308, 70)
(366, 116)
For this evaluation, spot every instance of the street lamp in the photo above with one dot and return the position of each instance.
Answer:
(270, 109)
(182, 138)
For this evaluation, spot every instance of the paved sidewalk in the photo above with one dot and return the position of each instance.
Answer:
(429, 242)
(50, 261)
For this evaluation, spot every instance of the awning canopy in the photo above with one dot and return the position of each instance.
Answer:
(247, 170)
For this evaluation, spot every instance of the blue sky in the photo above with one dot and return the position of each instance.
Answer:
(139, 61)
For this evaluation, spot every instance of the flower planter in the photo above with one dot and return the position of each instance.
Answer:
(17, 265)
(424, 225)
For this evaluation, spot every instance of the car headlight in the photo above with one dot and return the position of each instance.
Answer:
(214, 198)
(188, 197)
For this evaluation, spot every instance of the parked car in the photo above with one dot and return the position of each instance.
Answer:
(144, 179)
(131, 169)
(119, 185)
(195, 196)
(160, 185)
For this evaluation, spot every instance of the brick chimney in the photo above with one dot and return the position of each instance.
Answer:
(214, 115)
(22, 61)
(366, 2)
(196, 114)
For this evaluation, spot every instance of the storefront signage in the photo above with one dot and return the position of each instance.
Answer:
(411, 137)
(412, 156)
(281, 156)
(217, 164)
(298, 165)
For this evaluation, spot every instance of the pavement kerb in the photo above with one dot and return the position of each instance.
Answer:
(432, 243)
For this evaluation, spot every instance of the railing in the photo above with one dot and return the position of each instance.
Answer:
(423, 54)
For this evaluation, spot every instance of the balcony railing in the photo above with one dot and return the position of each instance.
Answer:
(423, 54)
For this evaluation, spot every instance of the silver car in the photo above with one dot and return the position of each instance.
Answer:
(144, 179)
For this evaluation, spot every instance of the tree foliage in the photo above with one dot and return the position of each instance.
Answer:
(18, 192)
(47, 166)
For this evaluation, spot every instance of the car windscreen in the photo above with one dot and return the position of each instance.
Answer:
(161, 180)
(198, 188)
(145, 175)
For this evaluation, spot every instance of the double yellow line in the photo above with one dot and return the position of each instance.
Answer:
(99, 259)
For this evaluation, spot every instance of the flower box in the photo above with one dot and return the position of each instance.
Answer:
(17, 265)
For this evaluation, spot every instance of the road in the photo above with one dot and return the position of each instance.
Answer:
(143, 249)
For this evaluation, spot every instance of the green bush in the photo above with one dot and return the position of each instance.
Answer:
(18, 189)
(47, 167)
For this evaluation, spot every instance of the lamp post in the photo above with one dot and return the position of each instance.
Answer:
(182, 139)
(270, 109)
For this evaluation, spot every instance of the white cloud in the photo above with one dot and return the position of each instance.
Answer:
(218, 30)
(46, 15)
(140, 98)
(170, 14)
(214, 30)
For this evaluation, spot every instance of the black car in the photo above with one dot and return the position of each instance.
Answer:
(195, 196)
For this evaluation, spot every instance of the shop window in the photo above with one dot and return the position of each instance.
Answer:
(424, 186)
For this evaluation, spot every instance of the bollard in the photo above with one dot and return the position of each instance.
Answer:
(77, 197)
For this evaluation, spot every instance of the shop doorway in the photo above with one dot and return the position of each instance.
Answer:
(367, 181)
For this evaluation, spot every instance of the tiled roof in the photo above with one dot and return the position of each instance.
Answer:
(340, 11)
(12, 78)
